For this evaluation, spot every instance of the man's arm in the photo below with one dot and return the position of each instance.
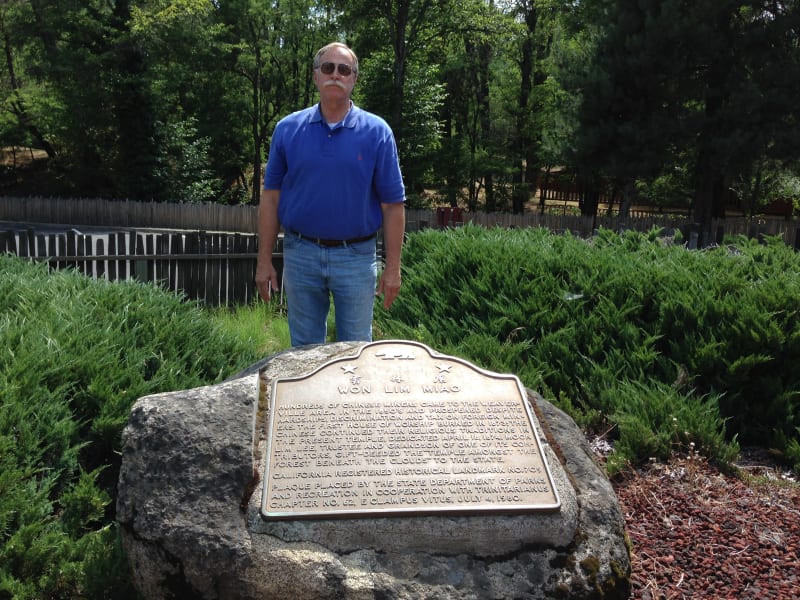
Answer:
(268, 227)
(394, 227)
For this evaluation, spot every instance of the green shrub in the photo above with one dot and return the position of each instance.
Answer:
(74, 356)
(581, 321)
(655, 420)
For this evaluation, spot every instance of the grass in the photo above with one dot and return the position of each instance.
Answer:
(261, 325)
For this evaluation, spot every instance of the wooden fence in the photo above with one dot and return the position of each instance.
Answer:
(129, 214)
(583, 226)
(208, 252)
(215, 268)
(243, 219)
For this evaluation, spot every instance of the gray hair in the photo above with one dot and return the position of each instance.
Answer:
(324, 49)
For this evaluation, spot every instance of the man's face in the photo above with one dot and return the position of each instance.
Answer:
(335, 86)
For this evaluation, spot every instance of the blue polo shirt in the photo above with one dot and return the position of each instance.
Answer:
(333, 181)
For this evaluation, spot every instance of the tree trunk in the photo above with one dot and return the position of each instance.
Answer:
(709, 196)
(132, 103)
(255, 192)
(400, 46)
(528, 160)
(628, 193)
(543, 191)
(589, 198)
(484, 109)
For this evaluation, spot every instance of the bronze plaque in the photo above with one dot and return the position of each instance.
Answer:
(400, 430)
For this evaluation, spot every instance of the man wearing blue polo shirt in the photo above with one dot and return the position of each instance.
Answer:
(332, 180)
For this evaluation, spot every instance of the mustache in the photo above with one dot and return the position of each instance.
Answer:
(334, 82)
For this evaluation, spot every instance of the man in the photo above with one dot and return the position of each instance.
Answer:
(332, 180)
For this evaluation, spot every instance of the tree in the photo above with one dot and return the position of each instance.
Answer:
(421, 142)
(199, 97)
(406, 25)
(626, 117)
(642, 96)
(713, 81)
(103, 129)
(400, 45)
(271, 49)
(535, 44)
(21, 118)
(475, 138)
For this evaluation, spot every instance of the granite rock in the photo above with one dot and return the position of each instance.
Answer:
(189, 500)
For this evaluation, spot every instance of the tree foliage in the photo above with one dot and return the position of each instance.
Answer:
(672, 101)
(710, 84)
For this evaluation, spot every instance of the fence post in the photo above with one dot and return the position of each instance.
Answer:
(228, 292)
(720, 234)
(212, 286)
(80, 252)
(149, 250)
(112, 252)
(170, 272)
(8, 242)
(61, 241)
(72, 248)
(122, 264)
(100, 265)
(31, 234)
(41, 246)
(91, 265)
(136, 245)
(191, 279)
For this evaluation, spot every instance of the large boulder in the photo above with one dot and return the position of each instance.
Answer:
(190, 498)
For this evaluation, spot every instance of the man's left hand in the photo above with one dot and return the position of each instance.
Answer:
(389, 286)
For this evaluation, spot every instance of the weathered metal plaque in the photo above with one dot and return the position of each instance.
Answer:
(399, 430)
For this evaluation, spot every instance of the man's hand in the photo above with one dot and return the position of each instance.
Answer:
(268, 226)
(394, 225)
(266, 279)
(389, 286)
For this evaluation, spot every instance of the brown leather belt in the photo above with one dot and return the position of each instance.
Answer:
(332, 243)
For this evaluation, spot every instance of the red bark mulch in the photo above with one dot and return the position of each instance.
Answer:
(698, 533)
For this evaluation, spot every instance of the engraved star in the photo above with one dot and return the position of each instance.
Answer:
(349, 369)
(444, 368)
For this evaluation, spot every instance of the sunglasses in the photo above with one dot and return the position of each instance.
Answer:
(328, 67)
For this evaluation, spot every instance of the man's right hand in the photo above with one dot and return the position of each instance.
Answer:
(266, 279)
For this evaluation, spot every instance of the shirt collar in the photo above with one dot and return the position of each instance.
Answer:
(349, 119)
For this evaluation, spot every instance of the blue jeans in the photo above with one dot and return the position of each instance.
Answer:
(311, 274)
